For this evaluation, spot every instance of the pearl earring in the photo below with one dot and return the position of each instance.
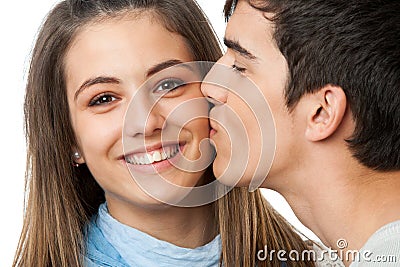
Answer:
(76, 157)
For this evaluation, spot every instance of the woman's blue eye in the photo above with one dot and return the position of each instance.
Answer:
(102, 100)
(168, 85)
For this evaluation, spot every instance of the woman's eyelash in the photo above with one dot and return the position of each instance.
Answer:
(168, 85)
(102, 99)
(239, 69)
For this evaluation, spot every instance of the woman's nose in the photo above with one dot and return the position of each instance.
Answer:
(143, 117)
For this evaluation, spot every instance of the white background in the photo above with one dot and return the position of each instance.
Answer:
(19, 22)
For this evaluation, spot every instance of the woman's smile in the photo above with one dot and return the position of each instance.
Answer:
(156, 158)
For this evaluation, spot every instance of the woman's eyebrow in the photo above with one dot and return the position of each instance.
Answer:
(164, 65)
(96, 80)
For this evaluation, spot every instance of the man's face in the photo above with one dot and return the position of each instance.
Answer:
(253, 53)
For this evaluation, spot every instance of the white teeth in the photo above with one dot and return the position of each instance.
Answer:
(156, 156)
(148, 159)
(166, 151)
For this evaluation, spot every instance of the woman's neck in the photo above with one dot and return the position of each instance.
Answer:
(184, 227)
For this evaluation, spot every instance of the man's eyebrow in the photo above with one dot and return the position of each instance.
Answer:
(96, 80)
(164, 65)
(234, 45)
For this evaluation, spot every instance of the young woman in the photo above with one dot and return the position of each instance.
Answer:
(83, 207)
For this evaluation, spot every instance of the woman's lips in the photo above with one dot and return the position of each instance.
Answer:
(155, 164)
(154, 155)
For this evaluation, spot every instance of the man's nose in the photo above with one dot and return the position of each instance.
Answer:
(215, 93)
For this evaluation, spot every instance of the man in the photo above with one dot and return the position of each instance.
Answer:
(330, 71)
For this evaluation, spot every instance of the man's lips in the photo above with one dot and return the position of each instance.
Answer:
(214, 125)
(213, 128)
(212, 132)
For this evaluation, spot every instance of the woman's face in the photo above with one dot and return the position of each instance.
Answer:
(105, 66)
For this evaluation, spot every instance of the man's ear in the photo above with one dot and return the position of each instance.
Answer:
(327, 112)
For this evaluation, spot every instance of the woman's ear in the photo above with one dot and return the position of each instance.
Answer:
(327, 112)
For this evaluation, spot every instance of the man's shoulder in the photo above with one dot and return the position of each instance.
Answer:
(382, 248)
(386, 236)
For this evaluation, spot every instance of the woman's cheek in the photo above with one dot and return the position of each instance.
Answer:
(99, 133)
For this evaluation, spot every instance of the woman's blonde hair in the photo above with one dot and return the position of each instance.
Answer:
(61, 198)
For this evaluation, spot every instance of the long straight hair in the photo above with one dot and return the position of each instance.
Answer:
(61, 198)
(249, 224)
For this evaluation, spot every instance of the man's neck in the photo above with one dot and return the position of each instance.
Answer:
(348, 202)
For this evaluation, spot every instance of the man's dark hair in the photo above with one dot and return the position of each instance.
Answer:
(354, 44)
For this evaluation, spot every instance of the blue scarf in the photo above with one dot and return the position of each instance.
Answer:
(140, 249)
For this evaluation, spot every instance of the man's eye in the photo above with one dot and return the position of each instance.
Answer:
(168, 85)
(238, 69)
(102, 100)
